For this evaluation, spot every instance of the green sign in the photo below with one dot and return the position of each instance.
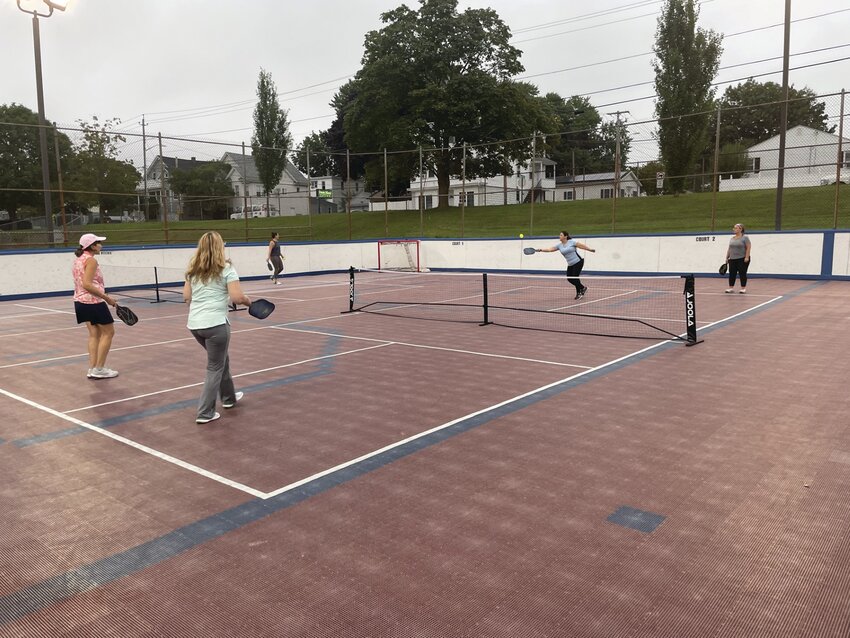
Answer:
(325, 194)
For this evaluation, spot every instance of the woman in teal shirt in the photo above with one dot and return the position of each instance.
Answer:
(211, 284)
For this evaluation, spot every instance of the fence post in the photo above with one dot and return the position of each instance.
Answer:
(61, 190)
(715, 180)
(839, 161)
(245, 189)
(162, 189)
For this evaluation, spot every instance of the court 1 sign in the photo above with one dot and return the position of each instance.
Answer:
(659, 181)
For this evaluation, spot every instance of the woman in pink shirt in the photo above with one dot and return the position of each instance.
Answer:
(90, 301)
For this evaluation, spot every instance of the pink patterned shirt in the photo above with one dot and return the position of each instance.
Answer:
(78, 269)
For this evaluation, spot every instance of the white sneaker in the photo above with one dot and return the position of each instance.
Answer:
(742, 291)
(103, 373)
(730, 290)
(89, 374)
(215, 416)
(239, 396)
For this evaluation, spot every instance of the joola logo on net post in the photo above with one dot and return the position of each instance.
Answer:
(689, 303)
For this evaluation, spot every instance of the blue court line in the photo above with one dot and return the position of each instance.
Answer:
(26, 355)
(325, 366)
(62, 586)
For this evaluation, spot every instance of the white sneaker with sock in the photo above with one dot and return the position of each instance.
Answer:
(103, 373)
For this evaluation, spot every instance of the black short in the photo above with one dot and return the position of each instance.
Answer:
(95, 313)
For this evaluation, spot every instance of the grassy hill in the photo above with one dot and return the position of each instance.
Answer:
(803, 208)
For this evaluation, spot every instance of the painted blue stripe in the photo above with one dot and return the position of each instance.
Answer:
(48, 592)
(827, 254)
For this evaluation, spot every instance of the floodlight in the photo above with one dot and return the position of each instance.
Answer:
(57, 4)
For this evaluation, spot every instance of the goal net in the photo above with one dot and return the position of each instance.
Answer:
(400, 254)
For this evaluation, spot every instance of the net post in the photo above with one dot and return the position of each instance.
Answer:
(156, 285)
(691, 311)
(485, 302)
(350, 291)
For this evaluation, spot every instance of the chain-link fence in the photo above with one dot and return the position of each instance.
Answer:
(626, 177)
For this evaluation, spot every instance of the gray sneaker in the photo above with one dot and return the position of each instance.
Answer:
(237, 399)
(103, 373)
(207, 419)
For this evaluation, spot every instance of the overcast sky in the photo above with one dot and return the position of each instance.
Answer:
(190, 66)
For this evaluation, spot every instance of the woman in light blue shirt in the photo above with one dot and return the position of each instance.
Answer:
(575, 262)
(211, 284)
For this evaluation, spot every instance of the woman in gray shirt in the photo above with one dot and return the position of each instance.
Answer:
(738, 258)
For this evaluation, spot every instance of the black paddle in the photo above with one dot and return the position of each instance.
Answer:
(261, 308)
(126, 315)
(529, 250)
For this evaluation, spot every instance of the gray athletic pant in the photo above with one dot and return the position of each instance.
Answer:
(215, 341)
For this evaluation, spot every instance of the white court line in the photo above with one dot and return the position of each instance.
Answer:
(64, 312)
(143, 448)
(78, 327)
(22, 315)
(235, 376)
(427, 347)
(496, 406)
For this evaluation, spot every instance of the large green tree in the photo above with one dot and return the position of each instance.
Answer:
(321, 159)
(96, 173)
(205, 189)
(686, 62)
(441, 79)
(20, 160)
(750, 112)
(271, 140)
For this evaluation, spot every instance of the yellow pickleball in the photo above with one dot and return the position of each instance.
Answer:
(521, 235)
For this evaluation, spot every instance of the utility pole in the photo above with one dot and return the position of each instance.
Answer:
(783, 118)
(618, 132)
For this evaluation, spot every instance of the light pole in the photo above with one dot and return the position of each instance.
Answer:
(42, 122)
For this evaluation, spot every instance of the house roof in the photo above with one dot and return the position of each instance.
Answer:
(593, 177)
(772, 143)
(245, 163)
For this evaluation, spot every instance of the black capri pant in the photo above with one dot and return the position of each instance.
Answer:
(573, 272)
(738, 268)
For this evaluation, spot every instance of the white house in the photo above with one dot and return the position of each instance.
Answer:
(289, 196)
(810, 160)
(596, 186)
(537, 182)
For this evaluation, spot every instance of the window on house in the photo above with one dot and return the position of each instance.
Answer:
(314, 184)
(259, 192)
(606, 193)
(429, 201)
(323, 185)
(550, 172)
(470, 198)
(236, 189)
(568, 195)
(755, 165)
(846, 159)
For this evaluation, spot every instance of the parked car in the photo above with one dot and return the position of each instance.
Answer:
(255, 210)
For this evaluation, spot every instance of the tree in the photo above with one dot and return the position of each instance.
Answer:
(438, 79)
(354, 165)
(206, 187)
(271, 140)
(96, 172)
(20, 159)
(750, 112)
(321, 160)
(686, 61)
(648, 176)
